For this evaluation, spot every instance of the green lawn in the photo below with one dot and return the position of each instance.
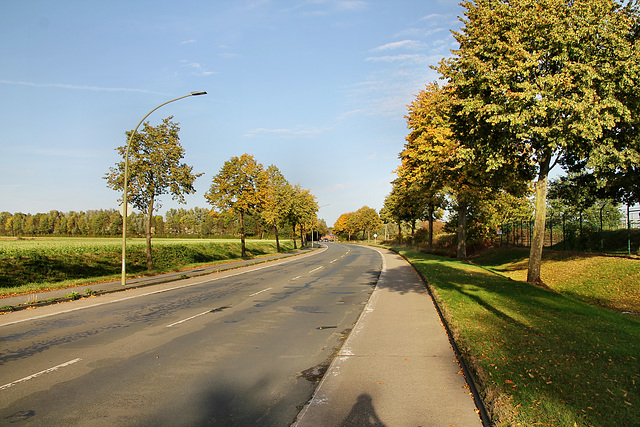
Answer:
(541, 357)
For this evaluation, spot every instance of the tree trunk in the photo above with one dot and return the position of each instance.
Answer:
(430, 243)
(535, 255)
(242, 244)
(413, 231)
(275, 231)
(293, 233)
(302, 242)
(148, 235)
(462, 230)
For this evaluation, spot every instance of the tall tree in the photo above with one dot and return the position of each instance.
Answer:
(155, 169)
(434, 162)
(366, 219)
(239, 187)
(341, 225)
(277, 200)
(542, 81)
(302, 211)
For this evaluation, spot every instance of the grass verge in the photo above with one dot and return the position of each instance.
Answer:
(540, 357)
(38, 269)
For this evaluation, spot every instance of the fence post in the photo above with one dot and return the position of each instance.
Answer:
(531, 225)
(628, 230)
(564, 231)
(601, 228)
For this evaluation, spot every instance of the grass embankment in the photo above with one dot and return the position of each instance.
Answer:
(545, 356)
(41, 264)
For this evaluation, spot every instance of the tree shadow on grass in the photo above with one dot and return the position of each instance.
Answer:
(530, 345)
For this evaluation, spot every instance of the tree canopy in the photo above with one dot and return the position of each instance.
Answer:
(540, 82)
(239, 187)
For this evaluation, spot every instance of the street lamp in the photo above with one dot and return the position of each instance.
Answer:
(312, 227)
(126, 176)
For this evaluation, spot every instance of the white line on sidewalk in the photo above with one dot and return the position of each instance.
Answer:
(46, 371)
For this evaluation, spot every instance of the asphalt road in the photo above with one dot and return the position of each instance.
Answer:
(241, 347)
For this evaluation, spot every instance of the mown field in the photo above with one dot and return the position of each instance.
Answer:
(35, 264)
(566, 355)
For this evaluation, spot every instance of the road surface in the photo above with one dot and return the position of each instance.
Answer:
(243, 347)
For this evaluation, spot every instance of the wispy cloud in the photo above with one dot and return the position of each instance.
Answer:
(416, 58)
(390, 90)
(351, 4)
(196, 66)
(187, 41)
(404, 44)
(78, 87)
(298, 131)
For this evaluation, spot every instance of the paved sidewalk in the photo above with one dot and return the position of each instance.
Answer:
(397, 367)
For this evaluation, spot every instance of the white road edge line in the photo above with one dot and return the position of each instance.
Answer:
(46, 371)
(188, 318)
(259, 292)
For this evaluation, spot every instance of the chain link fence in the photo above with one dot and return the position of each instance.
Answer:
(564, 232)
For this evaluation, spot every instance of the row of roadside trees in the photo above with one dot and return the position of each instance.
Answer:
(535, 84)
(242, 187)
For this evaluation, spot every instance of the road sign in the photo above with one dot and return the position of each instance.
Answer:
(129, 209)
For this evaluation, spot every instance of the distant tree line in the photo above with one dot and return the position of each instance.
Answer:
(195, 222)
(360, 224)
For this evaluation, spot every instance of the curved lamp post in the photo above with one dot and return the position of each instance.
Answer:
(126, 176)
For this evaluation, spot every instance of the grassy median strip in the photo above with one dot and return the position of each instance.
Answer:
(540, 357)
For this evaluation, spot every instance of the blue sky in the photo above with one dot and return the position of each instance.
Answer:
(318, 88)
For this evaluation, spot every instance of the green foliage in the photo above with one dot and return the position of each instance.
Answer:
(155, 167)
(542, 81)
(302, 211)
(367, 220)
(73, 296)
(240, 188)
